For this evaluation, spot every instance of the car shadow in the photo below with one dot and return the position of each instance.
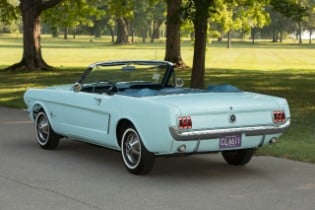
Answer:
(192, 166)
(201, 166)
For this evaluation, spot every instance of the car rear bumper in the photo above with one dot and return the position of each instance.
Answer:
(179, 135)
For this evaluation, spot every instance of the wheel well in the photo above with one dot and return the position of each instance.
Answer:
(36, 109)
(121, 126)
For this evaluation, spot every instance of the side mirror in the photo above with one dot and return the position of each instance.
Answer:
(77, 87)
(179, 82)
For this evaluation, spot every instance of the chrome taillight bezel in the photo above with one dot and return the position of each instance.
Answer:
(278, 116)
(184, 123)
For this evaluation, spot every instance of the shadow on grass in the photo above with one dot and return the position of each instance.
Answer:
(14, 84)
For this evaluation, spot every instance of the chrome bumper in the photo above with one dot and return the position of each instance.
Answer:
(179, 135)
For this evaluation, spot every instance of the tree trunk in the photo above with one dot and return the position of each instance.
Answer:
(97, 29)
(55, 32)
(144, 32)
(32, 54)
(133, 40)
(111, 30)
(65, 35)
(242, 35)
(310, 38)
(74, 33)
(229, 41)
(275, 36)
(122, 31)
(300, 32)
(144, 35)
(172, 52)
(112, 35)
(201, 28)
(253, 32)
(156, 30)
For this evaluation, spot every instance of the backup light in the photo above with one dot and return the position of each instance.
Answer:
(273, 140)
(278, 116)
(184, 122)
(181, 148)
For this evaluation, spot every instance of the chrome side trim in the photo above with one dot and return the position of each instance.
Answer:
(179, 135)
(108, 123)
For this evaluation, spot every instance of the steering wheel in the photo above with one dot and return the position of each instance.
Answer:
(111, 90)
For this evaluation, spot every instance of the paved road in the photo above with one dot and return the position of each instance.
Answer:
(79, 176)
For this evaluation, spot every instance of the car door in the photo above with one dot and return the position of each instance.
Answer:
(82, 116)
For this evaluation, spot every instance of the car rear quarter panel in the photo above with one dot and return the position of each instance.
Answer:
(152, 120)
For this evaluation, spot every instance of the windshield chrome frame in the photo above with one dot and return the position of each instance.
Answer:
(167, 76)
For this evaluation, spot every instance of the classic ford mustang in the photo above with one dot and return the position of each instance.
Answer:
(142, 109)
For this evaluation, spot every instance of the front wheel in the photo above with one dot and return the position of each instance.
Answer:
(238, 157)
(137, 159)
(45, 136)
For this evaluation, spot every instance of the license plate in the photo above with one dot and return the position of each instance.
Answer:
(230, 141)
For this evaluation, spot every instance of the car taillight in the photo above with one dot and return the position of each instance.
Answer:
(184, 122)
(278, 116)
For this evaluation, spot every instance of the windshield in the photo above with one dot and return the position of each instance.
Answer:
(127, 73)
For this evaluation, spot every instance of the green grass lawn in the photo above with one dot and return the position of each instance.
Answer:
(286, 70)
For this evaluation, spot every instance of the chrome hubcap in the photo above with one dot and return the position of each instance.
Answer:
(131, 148)
(42, 129)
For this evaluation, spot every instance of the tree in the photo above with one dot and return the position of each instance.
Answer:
(254, 16)
(123, 11)
(69, 14)
(104, 19)
(278, 25)
(159, 17)
(223, 17)
(142, 17)
(200, 21)
(172, 52)
(198, 12)
(309, 21)
(294, 9)
(245, 15)
(32, 54)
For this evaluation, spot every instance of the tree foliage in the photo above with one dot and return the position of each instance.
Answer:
(244, 15)
(148, 18)
(72, 13)
(297, 10)
(158, 17)
(8, 11)
(279, 24)
(309, 20)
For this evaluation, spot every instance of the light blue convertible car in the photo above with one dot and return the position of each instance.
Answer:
(142, 109)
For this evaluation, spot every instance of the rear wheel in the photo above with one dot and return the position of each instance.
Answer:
(137, 159)
(238, 157)
(45, 135)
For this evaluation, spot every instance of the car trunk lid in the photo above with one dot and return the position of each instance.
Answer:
(221, 110)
